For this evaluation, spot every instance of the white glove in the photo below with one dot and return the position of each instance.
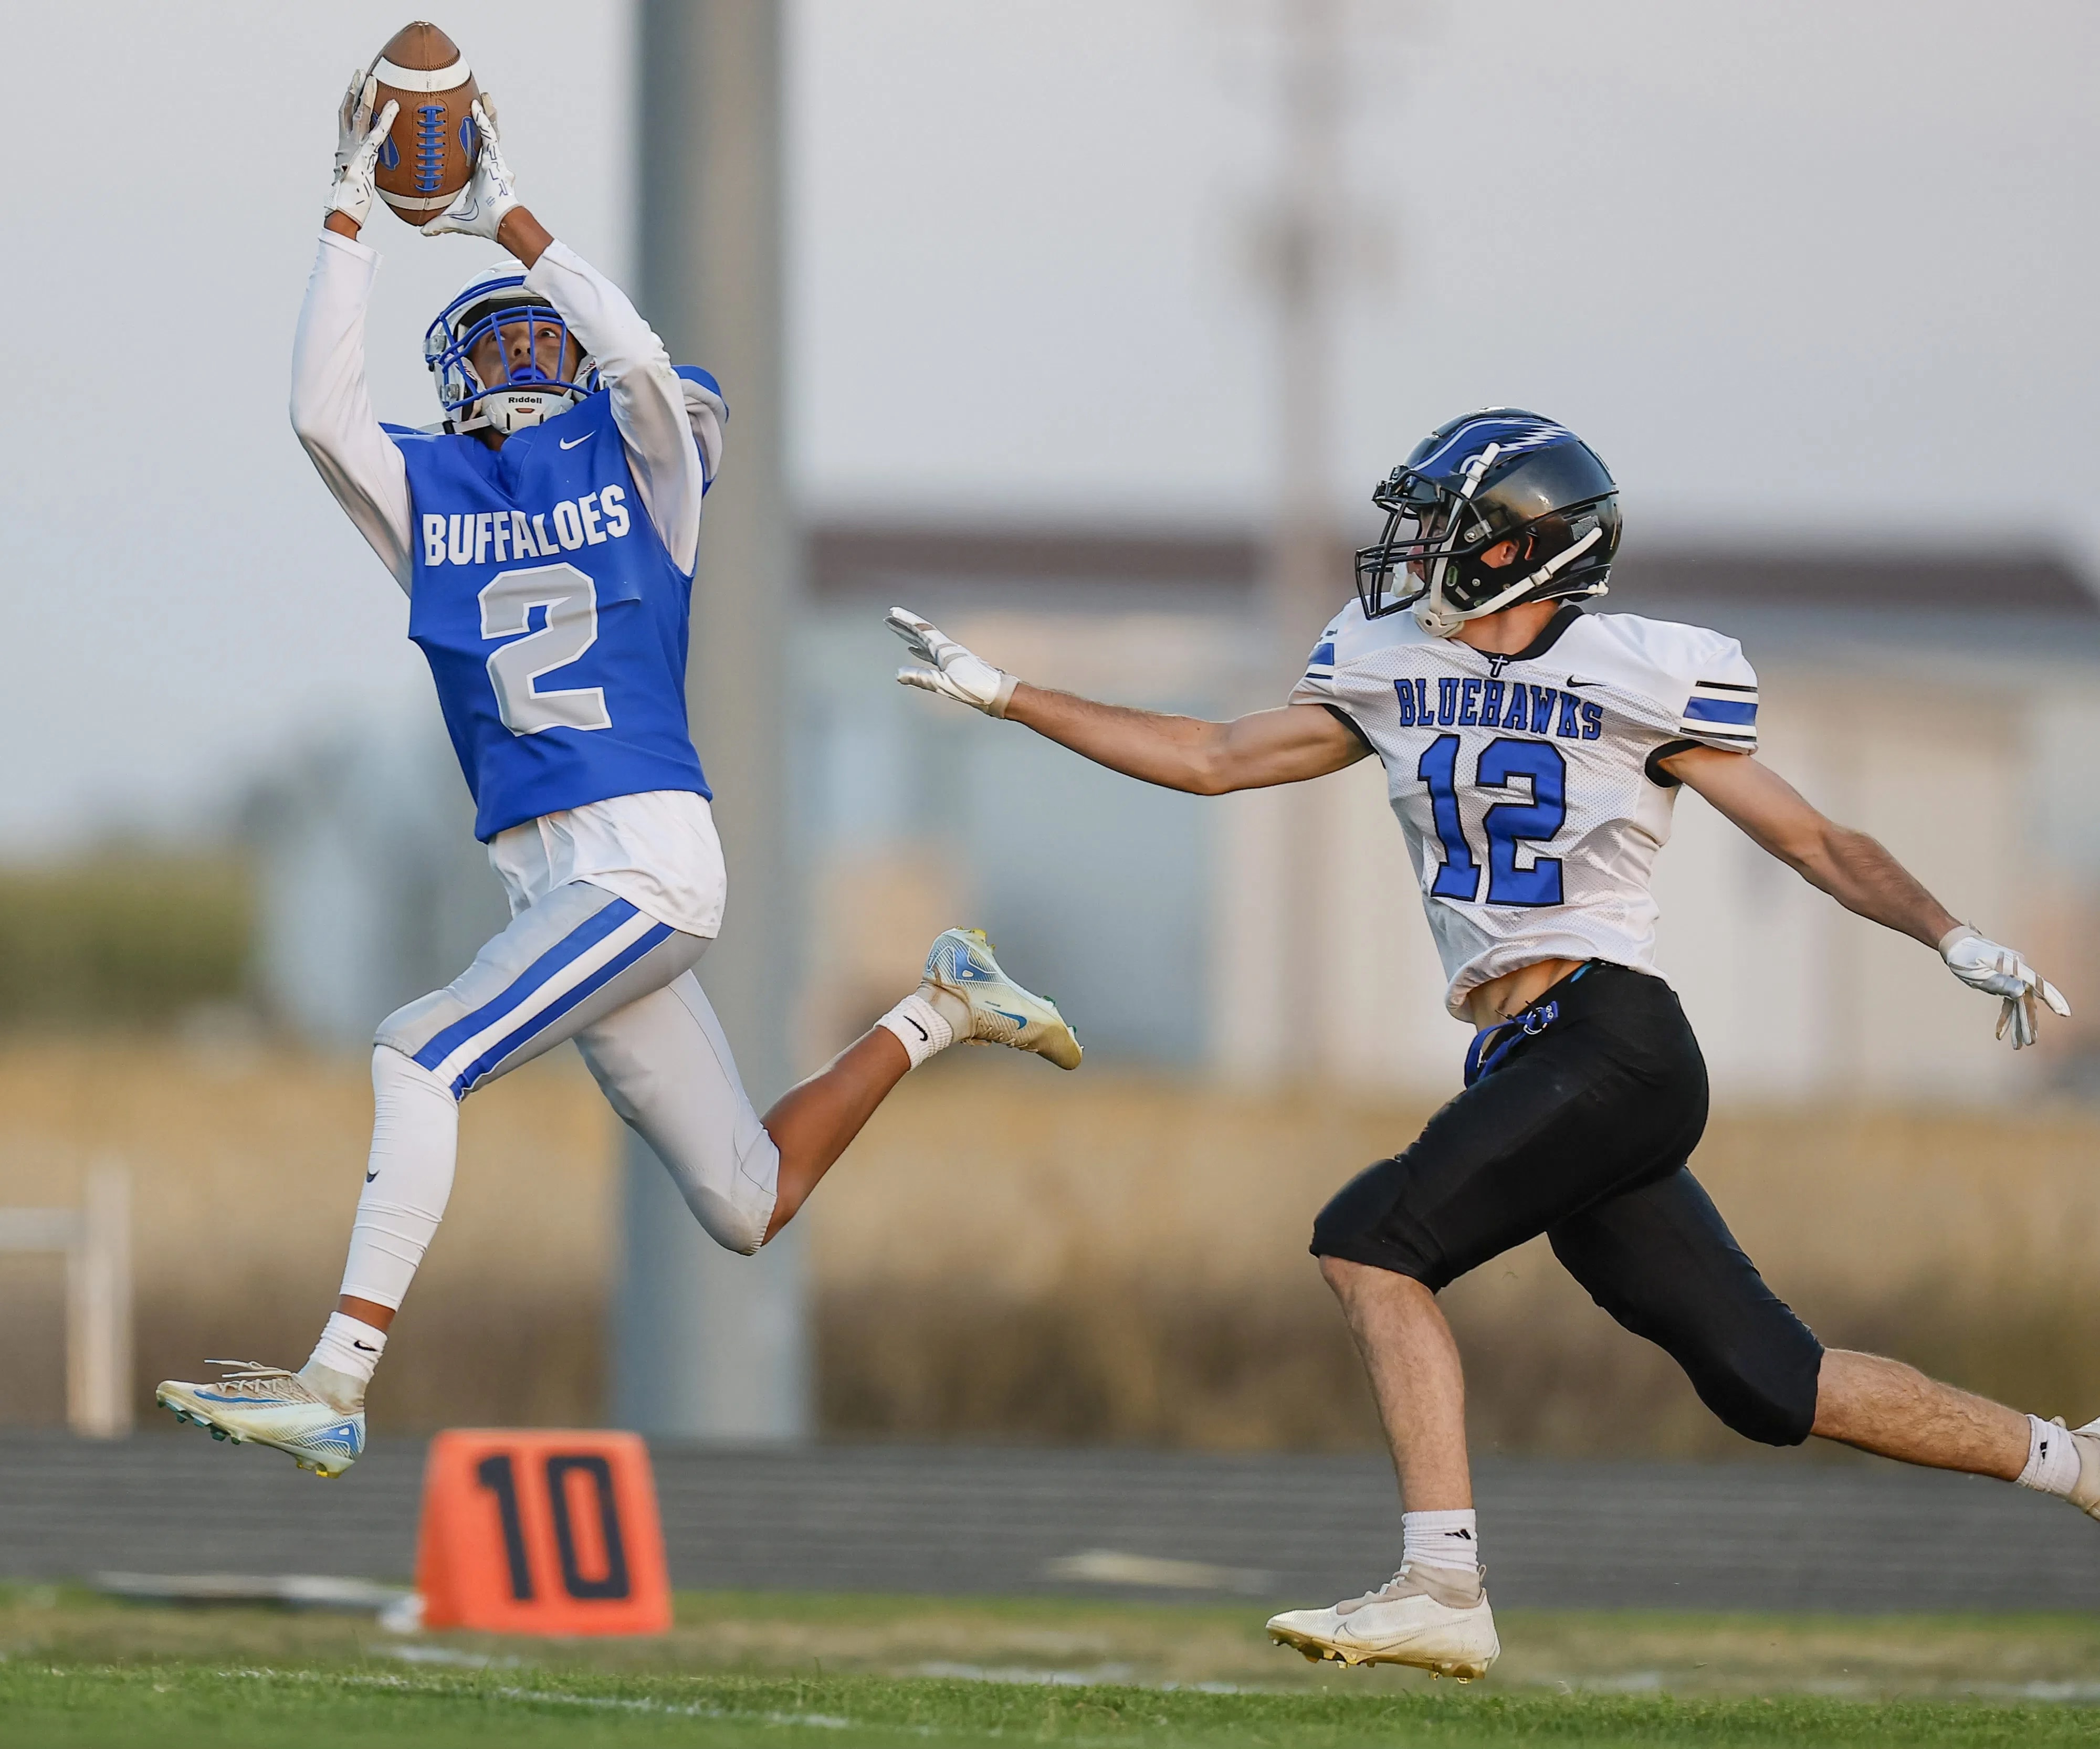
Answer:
(480, 208)
(359, 135)
(1998, 971)
(955, 673)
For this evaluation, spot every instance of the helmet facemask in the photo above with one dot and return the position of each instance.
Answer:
(492, 310)
(1545, 494)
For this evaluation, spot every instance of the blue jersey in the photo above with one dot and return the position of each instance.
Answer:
(552, 618)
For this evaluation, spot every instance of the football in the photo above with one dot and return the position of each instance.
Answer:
(430, 150)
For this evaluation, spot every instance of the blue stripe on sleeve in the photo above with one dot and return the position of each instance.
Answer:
(1719, 710)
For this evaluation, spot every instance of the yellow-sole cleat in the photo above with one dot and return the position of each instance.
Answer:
(259, 1405)
(961, 968)
(1422, 1618)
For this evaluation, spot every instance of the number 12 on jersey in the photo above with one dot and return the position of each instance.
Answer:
(1507, 824)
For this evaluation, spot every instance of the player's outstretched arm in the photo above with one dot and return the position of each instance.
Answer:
(330, 406)
(1861, 876)
(670, 452)
(1285, 745)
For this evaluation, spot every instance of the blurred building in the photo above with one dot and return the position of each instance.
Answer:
(1944, 704)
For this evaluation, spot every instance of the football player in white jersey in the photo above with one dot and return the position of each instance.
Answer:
(570, 440)
(1533, 752)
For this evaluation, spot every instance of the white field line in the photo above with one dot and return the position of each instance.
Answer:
(554, 1698)
(599, 1702)
(402, 1685)
(1118, 1676)
(830, 1721)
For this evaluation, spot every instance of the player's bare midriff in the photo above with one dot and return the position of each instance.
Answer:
(1514, 992)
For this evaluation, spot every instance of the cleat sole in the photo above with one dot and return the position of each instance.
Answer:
(1313, 1651)
(197, 1418)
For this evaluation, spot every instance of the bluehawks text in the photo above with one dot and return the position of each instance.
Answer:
(1499, 704)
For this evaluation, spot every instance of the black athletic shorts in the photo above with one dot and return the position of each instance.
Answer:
(1577, 1124)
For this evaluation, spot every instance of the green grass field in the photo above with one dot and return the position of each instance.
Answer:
(76, 1669)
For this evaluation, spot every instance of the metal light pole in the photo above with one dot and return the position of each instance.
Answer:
(1308, 242)
(706, 1345)
(1306, 239)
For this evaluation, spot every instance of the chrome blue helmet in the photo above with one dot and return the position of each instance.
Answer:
(493, 300)
(1501, 475)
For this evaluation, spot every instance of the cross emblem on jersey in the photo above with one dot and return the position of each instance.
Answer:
(1497, 664)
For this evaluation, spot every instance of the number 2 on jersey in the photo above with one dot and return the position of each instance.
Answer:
(570, 600)
(1507, 824)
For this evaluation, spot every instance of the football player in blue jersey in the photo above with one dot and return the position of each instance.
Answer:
(546, 534)
(1533, 752)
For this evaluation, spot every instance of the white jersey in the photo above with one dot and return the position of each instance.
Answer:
(1528, 786)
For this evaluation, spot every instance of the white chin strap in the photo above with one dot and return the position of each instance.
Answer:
(509, 410)
(1439, 619)
(1435, 618)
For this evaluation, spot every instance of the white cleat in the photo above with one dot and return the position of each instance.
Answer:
(1434, 1620)
(2085, 1496)
(258, 1405)
(960, 970)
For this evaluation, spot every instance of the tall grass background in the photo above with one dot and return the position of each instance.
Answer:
(125, 940)
(1009, 1254)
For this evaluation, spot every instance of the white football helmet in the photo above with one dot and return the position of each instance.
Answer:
(492, 300)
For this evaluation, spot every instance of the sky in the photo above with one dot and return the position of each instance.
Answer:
(1802, 272)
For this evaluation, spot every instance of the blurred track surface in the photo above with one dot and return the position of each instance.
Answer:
(1768, 1536)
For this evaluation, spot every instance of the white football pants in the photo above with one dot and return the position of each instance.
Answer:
(578, 963)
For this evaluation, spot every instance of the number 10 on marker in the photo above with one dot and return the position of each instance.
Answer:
(541, 1532)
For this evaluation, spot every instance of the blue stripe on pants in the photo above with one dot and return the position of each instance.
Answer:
(469, 1077)
(557, 958)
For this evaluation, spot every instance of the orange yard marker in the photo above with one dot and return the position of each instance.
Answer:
(541, 1532)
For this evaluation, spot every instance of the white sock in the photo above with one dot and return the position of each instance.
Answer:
(408, 1180)
(2051, 1459)
(1446, 1539)
(340, 1365)
(920, 1026)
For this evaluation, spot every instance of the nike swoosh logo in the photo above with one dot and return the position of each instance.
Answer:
(920, 1030)
(370, 1349)
(1573, 682)
(572, 442)
(1018, 1019)
(370, 1176)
